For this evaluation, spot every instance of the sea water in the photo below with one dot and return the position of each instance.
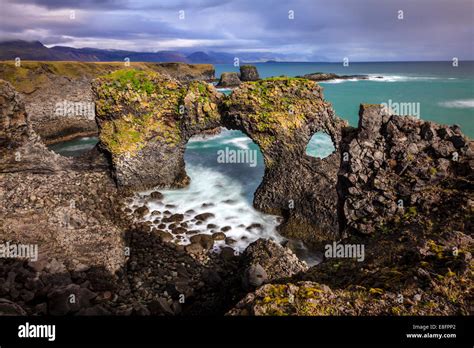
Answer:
(444, 92)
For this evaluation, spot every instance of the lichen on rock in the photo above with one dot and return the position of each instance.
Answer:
(145, 120)
(281, 114)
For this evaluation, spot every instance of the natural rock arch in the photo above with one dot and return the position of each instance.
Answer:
(146, 119)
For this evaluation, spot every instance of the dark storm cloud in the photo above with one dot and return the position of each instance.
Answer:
(320, 30)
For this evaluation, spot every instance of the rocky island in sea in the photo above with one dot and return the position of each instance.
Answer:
(389, 212)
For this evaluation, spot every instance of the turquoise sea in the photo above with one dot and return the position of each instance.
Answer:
(445, 93)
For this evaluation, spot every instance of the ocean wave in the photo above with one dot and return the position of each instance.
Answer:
(458, 104)
(211, 191)
(387, 78)
(241, 142)
(340, 80)
(400, 78)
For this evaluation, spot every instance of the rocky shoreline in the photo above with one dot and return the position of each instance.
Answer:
(401, 187)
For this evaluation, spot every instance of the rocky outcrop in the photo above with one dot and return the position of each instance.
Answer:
(394, 166)
(145, 120)
(58, 95)
(229, 79)
(280, 115)
(20, 147)
(49, 200)
(249, 73)
(145, 135)
(265, 261)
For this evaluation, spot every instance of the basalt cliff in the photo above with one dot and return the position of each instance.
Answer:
(400, 186)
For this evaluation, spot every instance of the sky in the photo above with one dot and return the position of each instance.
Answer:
(295, 30)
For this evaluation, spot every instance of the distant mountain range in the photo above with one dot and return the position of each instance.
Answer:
(35, 50)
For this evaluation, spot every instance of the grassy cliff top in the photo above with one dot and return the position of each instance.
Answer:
(32, 75)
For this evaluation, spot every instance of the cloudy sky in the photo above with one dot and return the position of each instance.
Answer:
(303, 30)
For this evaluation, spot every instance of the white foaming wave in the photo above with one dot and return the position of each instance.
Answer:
(400, 78)
(386, 78)
(458, 104)
(339, 81)
(320, 145)
(224, 198)
(78, 147)
(241, 142)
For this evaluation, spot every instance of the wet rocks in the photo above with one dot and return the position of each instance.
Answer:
(254, 227)
(156, 195)
(174, 218)
(141, 212)
(204, 216)
(205, 240)
(219, 236)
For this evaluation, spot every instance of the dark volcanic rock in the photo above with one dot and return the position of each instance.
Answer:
(249, 73)
(20, 147)
(156, 195)
(392, 167)
(204, 216)
(266, 261)
(229, 79)
(9, 308)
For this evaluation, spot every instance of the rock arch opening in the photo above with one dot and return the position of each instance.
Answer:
(215, 210)
(74, 147)
(320, 145)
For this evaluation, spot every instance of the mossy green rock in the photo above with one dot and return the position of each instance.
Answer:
(145, 120)
(280, 115)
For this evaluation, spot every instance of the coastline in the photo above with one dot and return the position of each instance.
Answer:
(240, 283)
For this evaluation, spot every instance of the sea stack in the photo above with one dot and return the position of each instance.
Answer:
(229, 79)
(249, 73)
